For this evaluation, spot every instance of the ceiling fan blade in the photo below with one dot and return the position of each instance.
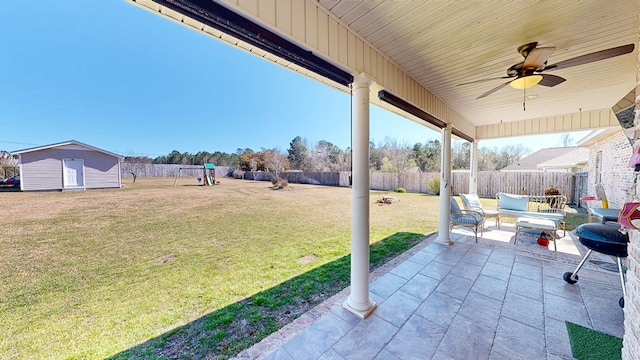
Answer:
(493, 90)
(483, 80)
(595, 56)
(537, 57)
(551, 80)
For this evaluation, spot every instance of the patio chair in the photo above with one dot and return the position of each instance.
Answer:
(469, 218)
(598, 207)
(472, 202)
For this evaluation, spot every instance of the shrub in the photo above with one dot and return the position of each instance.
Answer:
(400, 190)
(434, 185)
(279, 183)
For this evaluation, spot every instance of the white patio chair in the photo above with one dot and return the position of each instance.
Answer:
(472, 202)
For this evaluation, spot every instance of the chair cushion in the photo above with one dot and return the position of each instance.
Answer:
(455, 208)
(467, 219)
(605, 214)
(471, 201)
(512, 202)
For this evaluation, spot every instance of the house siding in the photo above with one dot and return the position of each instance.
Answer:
(42, 170)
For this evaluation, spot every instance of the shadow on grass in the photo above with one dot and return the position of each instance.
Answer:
(227, 331)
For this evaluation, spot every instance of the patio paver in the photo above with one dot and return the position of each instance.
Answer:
(465, 301)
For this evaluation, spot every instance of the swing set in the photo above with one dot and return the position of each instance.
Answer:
(208, 173)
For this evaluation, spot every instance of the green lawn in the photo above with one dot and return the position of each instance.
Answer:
(87, 275)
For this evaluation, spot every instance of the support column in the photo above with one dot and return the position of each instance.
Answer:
(445, 188)
(473, 170)
(359, 301)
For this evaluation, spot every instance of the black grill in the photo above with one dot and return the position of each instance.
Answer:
(603, 238)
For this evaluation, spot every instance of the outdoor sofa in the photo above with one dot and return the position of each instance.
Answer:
(547, 207)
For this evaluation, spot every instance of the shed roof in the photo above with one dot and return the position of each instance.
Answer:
(66, 144)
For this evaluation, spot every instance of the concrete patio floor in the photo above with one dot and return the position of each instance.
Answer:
(487, 300)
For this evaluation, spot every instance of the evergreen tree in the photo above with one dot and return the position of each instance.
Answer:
(297, 153)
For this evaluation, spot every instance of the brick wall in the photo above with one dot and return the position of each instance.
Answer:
(631, 340)
(617, 176)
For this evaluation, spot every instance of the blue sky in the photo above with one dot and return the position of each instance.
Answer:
(117, 77)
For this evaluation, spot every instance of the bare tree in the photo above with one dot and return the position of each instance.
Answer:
(275, 160)
(343, 160)
(461, 155)
(487, 159)
(134, 164)
(398, 158)
(510, 154)
(566, 139)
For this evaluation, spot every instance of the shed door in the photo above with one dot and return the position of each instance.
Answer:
(72, 173)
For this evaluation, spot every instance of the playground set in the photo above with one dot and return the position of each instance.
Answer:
(208, 174)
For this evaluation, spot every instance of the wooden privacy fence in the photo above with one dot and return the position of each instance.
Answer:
(489, 182)
(170, 170)
(298, 177)
(533, 182)
(412, 182)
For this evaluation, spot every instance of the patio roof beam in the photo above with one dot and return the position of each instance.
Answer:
(223, 19)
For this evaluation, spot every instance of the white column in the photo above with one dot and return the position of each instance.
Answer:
(445, 188)
(473, 171)
(359, 301)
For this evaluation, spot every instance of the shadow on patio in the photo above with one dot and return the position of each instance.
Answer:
(490, 300)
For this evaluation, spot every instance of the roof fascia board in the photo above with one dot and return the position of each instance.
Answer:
(229, 22)
(65, 143)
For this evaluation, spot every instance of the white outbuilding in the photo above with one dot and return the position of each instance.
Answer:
(69, 165)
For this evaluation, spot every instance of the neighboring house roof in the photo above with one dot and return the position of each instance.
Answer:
(531, 162)
(67, 144)
(574, 158)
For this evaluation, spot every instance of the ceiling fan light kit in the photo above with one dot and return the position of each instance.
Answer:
(525, 82)
(528, 73)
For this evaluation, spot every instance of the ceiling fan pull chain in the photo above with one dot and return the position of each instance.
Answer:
(524, 100)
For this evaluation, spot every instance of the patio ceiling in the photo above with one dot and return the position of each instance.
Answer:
(444, 43)
(441, 44)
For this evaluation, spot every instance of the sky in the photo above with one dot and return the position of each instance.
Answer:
(117, 77)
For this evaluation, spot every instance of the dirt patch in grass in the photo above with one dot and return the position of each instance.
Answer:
(164, 259)
(307, 259)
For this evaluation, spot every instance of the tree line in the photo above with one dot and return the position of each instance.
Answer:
(387, 156)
